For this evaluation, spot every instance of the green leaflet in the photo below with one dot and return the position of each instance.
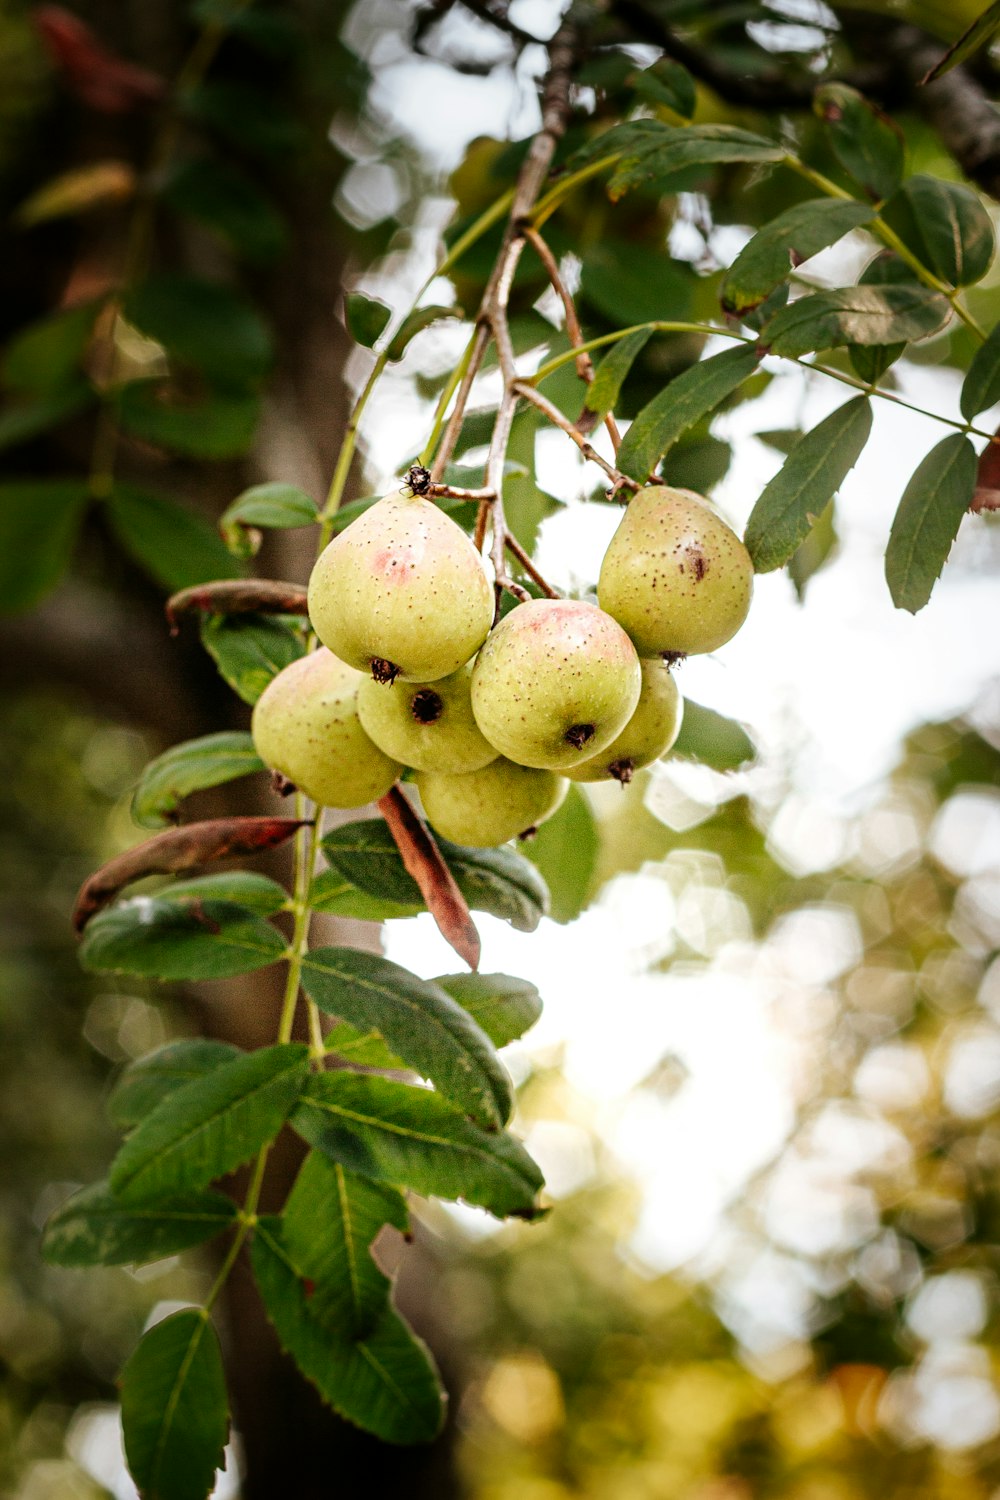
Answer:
(856, 315)
(946, 227)
(144, 1083)
(94, 1228)
(927, 521)
(367, 318)
(808, 479)
(328, 1225)
(384, 1382)
(504, 1007)
(211, 1125)
(688, 398)
(865, 140)
(208, 761)
(276, 506)
(420, 1023)
(413, 1138)
(250, 649)
(974, 37)
(564, 850)
(499, 881)
(713, 739)
(781, 245)
(612, 372)
(176, 939)
(174, 1410)
(176, 546)
(981, 387)
(255, 893)
(39, 522)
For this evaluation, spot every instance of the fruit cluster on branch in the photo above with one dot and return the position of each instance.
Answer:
(412, 673)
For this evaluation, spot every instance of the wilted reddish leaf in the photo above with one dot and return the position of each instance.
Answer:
(987, 495)
(422, 860)
(94, 74)
(238, 596)
(180, 849)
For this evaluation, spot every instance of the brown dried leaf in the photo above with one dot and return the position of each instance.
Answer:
(237, 596)
(422, 860)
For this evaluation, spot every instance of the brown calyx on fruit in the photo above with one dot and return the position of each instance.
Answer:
(622, 770)
(426, 706)
(384, 671)
(579, 735)
(281, 785)
(528, 833)
(673, 658)
(418, 479)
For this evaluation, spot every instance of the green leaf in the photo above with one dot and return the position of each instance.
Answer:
(22, 421)
(212, 1125)
(871, 361)
(498, 881)
(416, 322)
(365, 1049)
(712, 739)
(367, 318)
(856, 315)
(667, 82)
(229, 202)
(927, 521)
(813, 553)
(974, 37)
(413, 1138)
(384, 1382)
(275, 506)
(39, 521)
(174, 1410)
(258, 893)
(93, 1228)
(208, 761)
(866, 142)
(145, 1082)
(981, 387)
(808, 479)
(331, 894)
(204, 324)
(214, 427)
(564, 851)
(250, 649)
(655, 153)
(46, 356)
(421, 1023)
(689, 397)
(783, 244)
(175, 546)
(946, 227)
(328, 1225)
(612, 372)
(164, 939)
(504, 1007)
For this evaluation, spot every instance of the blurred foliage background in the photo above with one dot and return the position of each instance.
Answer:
(835, 1335)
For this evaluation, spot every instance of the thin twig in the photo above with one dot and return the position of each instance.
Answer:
(450, 436)
(454, 492)
(514, 546)
(555, 416)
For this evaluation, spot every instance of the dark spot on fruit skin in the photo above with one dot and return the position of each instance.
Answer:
(384, 671)
(700, 566)
(426, 706)
(579, 735)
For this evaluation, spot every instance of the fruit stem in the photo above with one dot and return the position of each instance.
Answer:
(555, 416)
(584, 363)
(514, 546)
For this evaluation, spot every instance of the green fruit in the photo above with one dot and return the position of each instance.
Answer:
(556, 681)
(488, 807)
(675, 575)
(305, 725)
(649, 733)
(428, 726)
(402, 592)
